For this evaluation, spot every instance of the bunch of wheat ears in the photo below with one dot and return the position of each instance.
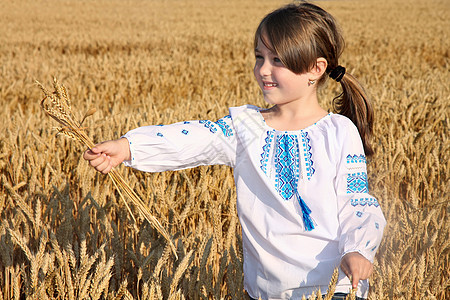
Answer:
(57, 105)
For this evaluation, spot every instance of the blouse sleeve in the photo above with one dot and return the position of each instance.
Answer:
(361, 220)
(182, 145)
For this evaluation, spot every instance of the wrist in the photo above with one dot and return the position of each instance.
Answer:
(356, 251)
(125, 146)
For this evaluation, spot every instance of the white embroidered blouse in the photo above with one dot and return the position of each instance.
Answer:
(302, 196)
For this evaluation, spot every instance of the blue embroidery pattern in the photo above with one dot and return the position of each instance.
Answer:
(184, 131)
(287, 164)
(365, 201)
(307, 155)
(359, 214)
(186, 122)
(287, 170)
(353, 159)
(225, 127)
(160, 134)
(377, 226)
(266, 149)
(208, 124)
(357, 183)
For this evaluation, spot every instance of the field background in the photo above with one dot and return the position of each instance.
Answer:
(65, 234)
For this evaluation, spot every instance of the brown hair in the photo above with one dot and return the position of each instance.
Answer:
(299, 34)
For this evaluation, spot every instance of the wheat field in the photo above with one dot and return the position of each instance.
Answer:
(65, 234)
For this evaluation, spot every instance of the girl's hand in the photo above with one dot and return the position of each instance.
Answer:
(356, 267)
(104, 156)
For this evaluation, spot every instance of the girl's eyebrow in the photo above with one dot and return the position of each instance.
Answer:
(260, 52)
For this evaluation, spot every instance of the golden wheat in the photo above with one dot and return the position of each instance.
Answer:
(63, 228)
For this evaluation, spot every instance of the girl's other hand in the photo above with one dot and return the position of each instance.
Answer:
(356, 267)
(107, 155)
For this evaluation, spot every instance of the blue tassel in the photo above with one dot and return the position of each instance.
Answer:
(307, 221)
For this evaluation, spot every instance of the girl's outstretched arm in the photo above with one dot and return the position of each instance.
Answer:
(182, 145)
(104, 156)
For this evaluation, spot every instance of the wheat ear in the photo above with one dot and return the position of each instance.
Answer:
(57, 105)
(332, 284)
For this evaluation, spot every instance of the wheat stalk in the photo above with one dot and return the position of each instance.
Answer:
(332, 284)
(57, 106)
(180, 271)
(352, 294)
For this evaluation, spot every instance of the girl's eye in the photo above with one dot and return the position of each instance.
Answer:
(257, 56)
(277, 60)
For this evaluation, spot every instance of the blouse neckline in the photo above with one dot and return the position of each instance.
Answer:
(291, 131)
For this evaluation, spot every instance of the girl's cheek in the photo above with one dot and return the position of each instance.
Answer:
(255, 68)
(256, 71)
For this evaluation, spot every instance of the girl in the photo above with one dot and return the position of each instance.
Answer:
(300, 171)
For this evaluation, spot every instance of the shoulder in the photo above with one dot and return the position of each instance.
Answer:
(340, 121)
(247, 119)
(246, 114)
(347, 137)
(342, 126)
(244, 109)
(339, 132)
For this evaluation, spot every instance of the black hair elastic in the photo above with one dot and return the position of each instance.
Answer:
(337, 73)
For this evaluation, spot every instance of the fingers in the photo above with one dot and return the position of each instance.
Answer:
(102, 163)
(345, 268)
(355, 279)
(353, 273)
(104, 156)
(90, 155)
(361, 273)
(356, 267)
(98, 158)
(94, 152)
(108, 169)
(366, 272)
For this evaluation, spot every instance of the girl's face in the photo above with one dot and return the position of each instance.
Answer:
(278, 84)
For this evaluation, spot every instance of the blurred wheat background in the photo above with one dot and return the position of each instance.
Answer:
(64, 233)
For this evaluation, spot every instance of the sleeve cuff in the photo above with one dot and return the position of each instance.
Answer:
(128, 163)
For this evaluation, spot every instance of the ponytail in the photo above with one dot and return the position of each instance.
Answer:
(355, 105)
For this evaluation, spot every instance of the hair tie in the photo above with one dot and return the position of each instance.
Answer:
(337, 73)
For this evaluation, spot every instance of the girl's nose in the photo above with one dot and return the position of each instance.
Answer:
(265, 68)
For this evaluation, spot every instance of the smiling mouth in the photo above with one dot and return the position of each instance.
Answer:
(270, 84)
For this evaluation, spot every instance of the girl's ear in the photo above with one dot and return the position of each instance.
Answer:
(320, 68)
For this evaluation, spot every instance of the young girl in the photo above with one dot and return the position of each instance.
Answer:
(300, 171)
